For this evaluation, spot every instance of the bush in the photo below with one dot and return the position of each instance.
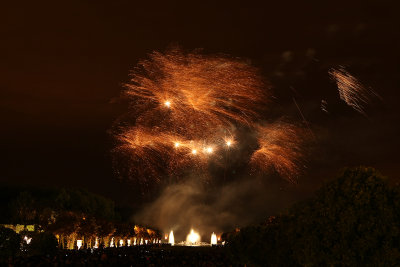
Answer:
(43, 243)
(10, 242)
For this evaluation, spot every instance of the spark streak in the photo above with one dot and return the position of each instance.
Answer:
(351, 90)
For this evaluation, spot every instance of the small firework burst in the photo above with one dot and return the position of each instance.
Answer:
(351, 90)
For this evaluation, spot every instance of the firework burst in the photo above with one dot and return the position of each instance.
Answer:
(187, 109)
(351, 90)
(279, 149)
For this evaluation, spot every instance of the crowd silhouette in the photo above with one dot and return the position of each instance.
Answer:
(150, 255)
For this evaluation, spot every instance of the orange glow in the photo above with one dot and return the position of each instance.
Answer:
(209, 150)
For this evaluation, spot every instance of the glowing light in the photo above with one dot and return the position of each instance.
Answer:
(146, 241)
(141, 241)
(129, 242)
(167, 103)
(209, 150)
(171, 238)
(193, 237)
(194, 151)
(96, 243)
(112, 242)
(121, 243)
(177, 144)
(228, 143)
(213, 239)
(79, 243)
(134, 241)
(27, 240)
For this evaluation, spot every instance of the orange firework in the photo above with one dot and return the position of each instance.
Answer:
(279, 149)
(213, 91)
(187, 108)
(351, 90)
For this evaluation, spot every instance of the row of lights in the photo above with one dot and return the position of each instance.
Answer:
(208, 150)
(79, 243)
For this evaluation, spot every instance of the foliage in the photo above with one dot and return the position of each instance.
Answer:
(31, 205)
(352, 221)
(10, 242)
(24, 208)
(43, 243)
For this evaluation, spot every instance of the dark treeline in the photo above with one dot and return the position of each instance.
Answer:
(33, 205)
(351, 221)
(69, 215)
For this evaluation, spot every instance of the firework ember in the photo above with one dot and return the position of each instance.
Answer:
(351, 90)
(324, 106)
(186, 111)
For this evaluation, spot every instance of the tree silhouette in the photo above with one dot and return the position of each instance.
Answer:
(352, 221)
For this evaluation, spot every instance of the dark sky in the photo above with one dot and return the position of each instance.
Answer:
(62, 65)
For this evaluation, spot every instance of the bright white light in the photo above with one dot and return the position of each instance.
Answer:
(171, 239)
(112, 242)
(213, 239)
(177, 144)
(146, 241)
(27, 240)
(228, 143)
(96, 243)
(121, 243)
(194, 151)
(79, 243)
(209, 150)
(129, 242)
(193, 237)
(167, 104)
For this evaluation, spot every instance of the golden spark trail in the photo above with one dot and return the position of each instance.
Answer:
(351, 90)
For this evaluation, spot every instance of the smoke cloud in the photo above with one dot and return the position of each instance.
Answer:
(207, 209)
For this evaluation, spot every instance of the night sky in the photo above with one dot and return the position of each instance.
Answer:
(62, 67)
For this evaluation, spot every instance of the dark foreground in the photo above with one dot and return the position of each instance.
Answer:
(129, 256)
